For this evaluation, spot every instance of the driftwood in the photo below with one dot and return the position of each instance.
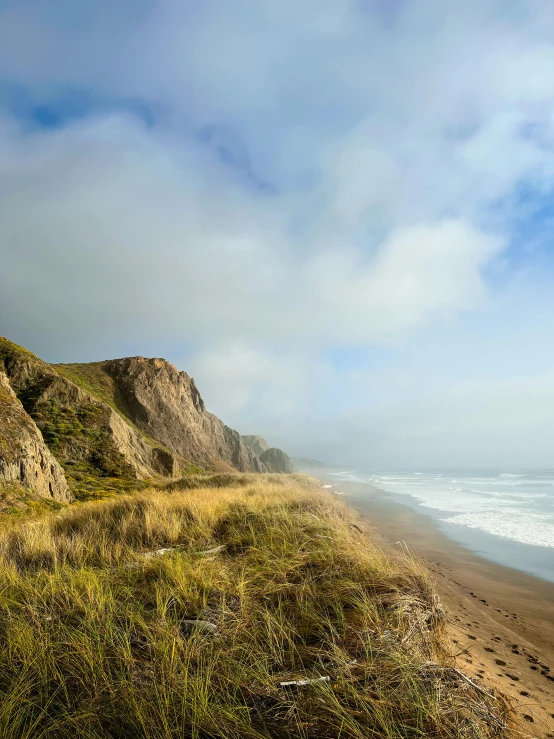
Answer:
(167, 550)
(462, 676)
(459, 673)
(305, 683)
(213, 550)
(157, 553)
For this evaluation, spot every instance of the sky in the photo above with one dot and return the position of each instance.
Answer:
(337, 216)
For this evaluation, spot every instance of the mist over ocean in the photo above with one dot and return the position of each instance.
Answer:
(506, 516)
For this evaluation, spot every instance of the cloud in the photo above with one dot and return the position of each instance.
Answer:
(349, 179)
(136, 235)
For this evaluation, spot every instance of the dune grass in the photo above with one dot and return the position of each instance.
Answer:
(97, 640)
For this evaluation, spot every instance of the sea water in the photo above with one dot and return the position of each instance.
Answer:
(504, 515)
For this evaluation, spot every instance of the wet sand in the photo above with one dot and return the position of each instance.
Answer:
(501, 620)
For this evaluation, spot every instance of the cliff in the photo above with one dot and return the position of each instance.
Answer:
(26, 463)
(307, 463)
(256, 443)
(112, 424)
(277, 461)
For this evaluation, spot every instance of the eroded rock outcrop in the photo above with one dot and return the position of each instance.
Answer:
(25, 460)
(307, 463)
(256, 443)
(277, 461)
(166, 404)
(113, 423)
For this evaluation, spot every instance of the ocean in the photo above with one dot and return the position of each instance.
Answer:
(506, 516)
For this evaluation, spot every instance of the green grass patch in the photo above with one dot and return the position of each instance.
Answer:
(10, 352)
(92, 378)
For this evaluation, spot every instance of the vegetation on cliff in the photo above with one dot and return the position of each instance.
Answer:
(185, 613)
(114, 426)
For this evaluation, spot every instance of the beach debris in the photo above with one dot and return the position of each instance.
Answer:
(355, 526)
(156, 553)
(328, 486)
(149, 555)
(288, 684)
(196, 624)
(453, 671)
(213, 550)
(167, 550)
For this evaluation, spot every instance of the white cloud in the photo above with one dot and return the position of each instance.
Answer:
(111, 220)
(396, 144)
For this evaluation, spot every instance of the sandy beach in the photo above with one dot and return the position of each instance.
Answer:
(501, 620)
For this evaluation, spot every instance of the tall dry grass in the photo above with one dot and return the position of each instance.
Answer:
(96, 639)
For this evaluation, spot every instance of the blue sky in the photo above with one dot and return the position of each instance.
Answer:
(337, 216)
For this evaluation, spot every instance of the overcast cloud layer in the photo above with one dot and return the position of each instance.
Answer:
(335, 215)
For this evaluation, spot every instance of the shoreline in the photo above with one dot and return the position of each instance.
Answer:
(501, 619)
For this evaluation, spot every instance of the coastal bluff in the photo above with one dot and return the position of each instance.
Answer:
(86, 429)
(275, 460)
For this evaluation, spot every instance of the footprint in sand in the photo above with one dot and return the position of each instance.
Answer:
(500, 662)
(489, 649)
(470, 636)
(515, 678)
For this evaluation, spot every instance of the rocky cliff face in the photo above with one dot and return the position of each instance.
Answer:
(277, 461)
(25, 461)
(307, 463)
(165, 404)
(256, 443)
(111, 424)
(274, 459)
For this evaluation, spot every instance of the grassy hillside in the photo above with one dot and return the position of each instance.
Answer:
(102, 637)
(92, 378)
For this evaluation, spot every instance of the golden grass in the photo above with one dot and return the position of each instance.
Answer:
(96, 639)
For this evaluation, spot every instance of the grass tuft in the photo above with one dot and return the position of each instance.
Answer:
(97, 641)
